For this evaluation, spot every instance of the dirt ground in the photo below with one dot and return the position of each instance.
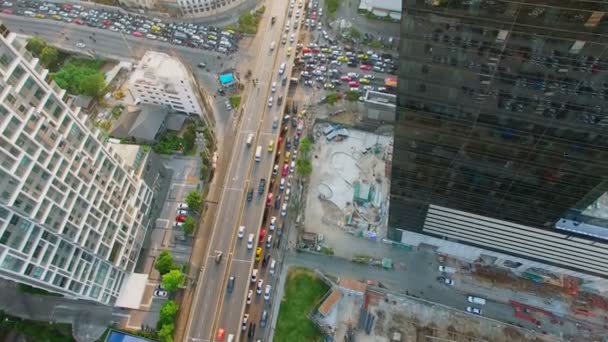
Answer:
(418, 321)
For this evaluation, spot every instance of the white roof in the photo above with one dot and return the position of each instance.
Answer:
(389, 5)
(132, 291)
(158, 66)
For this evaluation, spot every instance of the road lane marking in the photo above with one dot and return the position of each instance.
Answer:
(241, 260)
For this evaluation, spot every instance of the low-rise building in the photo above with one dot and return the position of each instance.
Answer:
(382, 8)
(161, 79)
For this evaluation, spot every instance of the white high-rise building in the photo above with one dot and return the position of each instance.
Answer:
(72, 216)
(161, 79)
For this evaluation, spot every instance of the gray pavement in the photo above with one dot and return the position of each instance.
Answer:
(348, 11)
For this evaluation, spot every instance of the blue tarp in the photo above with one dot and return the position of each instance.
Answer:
(226, 79)
(117, 336)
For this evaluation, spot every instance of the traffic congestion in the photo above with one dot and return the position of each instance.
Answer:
(324, 63)
(138, 26)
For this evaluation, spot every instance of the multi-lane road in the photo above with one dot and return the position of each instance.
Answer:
(213, 307)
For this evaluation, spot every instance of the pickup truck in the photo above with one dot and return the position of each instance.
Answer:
(446, 269)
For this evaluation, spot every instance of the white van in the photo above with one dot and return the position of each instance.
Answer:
(476, 300)
(250, 139)
(258, 154)
(273, 264)
(292, 167)
(272, 45)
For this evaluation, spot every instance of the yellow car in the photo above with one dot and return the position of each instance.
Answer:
(289, 51)
(342, 59)
(287, 155)
(40, 16)
(271, 146)
(258, 254)
(155, 29)
(57, 17)
(363, 56)
(364, 81)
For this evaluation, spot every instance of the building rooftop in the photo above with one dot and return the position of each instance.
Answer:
(330, 302)
(353, 284)
(129, 153)
(157, 66)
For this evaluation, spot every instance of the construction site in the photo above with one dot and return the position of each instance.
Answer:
(349, 186)
(355, 311)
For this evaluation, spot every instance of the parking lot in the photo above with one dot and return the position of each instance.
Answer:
(182, 34)
(323, 63)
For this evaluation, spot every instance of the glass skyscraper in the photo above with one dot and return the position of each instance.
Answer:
(501, 111)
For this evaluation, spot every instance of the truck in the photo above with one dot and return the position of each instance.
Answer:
(446, 269)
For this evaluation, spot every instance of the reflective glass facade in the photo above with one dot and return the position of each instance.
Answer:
(501, 110)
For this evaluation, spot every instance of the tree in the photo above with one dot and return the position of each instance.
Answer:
(189, 225)
(168, 312)
(304, 167)
(194, 200)
(35, 45)
(164, 262)
(355, 33)
(166, 332)
(189, 137)
(331, 99)
(352, 96)
(173, 280)
(93, 85)
(49, 56)
(305, 147)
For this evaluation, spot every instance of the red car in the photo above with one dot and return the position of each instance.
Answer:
(67, 7)
(220, 334)
(106, 22)
(285, 170)
(78, 22)
(316, 50)
(262, 235)
(306, 50)
(279, 142)
(346, 78)
(180, 218)
(366, 67)
(137, 34)
(269, 200)
(7, 11)
(353, 84)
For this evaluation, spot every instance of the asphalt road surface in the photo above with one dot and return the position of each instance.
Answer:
(213, 307)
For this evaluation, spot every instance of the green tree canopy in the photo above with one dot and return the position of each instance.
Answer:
(49, 56)
(355, 33)
(189, 138)
(304, 167)
(189, 225)
(352, 96)
(93, 85)
(173, 280)
(164, 262)
(305, 147)
(166, 332)
(80, 79)
(168, 312)
(331, 98)
(35, 45)
(194, 200)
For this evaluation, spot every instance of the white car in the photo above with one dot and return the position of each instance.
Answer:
(284, 210)
(282, 184)
(249, 296)
(270, 99)
(287, 193)
(81, 45)
(292, 37)
(182, 212)
(182, 206)
(254, 275)
(245, 318)
(250, 241)
(160, 293)
(274, 87)
(241, 232)
(476, 300)
(260, 286)
(273, 221)
(267, 292)
(474, 310)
